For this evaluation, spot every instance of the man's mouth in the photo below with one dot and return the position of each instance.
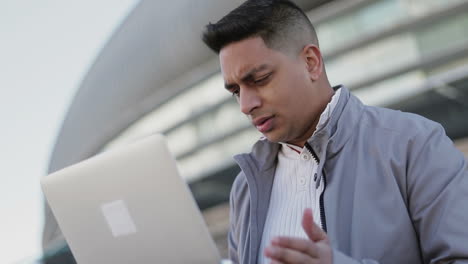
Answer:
(263, 124)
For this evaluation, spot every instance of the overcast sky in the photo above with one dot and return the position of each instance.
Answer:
(46, 48)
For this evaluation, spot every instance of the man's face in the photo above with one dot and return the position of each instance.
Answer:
(273, 89)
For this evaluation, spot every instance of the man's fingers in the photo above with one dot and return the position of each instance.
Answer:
(303, 245)
(298, 250)
(286, 255)
(314, 232)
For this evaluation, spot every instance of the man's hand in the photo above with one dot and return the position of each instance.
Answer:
(288, 250)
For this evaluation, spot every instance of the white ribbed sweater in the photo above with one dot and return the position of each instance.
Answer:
(294, 190)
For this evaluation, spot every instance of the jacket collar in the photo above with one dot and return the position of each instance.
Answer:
(329, 140)
(343, 122)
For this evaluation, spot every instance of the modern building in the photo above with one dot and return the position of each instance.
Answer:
(156, 76)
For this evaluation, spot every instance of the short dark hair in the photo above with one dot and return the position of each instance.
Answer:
(280, 23)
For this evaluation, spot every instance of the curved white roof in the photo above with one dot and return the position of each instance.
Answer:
(156, 53)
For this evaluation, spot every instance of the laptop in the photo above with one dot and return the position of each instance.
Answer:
(129, 205)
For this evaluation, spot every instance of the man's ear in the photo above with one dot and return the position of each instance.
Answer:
(313, 59)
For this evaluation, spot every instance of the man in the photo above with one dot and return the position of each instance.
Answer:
(371, 185)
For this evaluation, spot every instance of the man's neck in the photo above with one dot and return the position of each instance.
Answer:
(302, 141)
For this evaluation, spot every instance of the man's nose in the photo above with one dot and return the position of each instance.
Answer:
(249, 100)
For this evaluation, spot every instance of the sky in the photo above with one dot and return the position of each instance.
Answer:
(46, 48)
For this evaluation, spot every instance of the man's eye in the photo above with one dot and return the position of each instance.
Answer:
(262, 79)
(235, 93)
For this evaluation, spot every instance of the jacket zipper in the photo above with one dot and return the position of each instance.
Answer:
(321, 202)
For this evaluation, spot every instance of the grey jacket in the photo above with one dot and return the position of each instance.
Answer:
(396, 189)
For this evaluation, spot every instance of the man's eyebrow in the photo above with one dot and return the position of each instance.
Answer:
(247, 76)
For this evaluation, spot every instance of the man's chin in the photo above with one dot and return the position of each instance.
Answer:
(273, 137)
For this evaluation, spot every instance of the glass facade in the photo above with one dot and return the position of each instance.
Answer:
(386, 51)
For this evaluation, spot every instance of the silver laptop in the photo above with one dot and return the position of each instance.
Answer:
(129, 205)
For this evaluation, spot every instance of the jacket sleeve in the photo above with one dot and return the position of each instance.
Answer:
(437, 187)
(235, 204)
(232, 239)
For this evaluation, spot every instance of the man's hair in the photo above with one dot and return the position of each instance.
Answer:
(280, 23)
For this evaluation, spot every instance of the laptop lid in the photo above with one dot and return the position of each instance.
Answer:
(129, 205)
